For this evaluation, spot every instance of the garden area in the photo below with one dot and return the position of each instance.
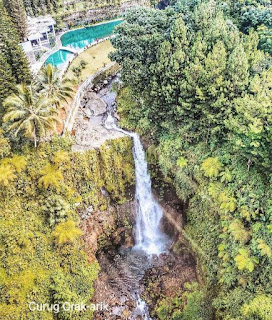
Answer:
(89, 62)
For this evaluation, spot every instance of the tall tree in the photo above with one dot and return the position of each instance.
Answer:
(31, 113)
(16, 11)
(10, 48)
(52, 86)
(14, 64)
(7, 81)
(36, 7)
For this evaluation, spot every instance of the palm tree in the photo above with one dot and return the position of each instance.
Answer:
(53, 87)
(66, 232)
(6, 174)
(51, 177)
(31, 113)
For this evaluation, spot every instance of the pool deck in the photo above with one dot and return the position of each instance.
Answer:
(35, 68)
(70, 49)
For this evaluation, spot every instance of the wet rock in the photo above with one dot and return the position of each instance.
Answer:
(167, 277)
(96, 105)
(104, 191)
(98, 225)
(87, 213)
(89, 129)
(131, 304)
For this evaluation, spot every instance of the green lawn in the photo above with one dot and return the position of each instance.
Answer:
(96, 58)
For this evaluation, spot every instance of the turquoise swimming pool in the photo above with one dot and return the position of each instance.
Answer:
(79, 38)
(59, 57)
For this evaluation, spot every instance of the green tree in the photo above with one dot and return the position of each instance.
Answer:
(7, 81)
(202, 89)
(6, 175)
(51, 177)
(66, 232)
(53, 86)
(31, 113)
(41, 7)
(10, 49)
(16, 11)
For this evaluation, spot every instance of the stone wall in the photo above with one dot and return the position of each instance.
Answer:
(103, 13)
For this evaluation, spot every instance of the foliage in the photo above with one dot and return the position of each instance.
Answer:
(7, 83)
(244, 261)
(31, 113)
(56, 209)
(51, 177)
(61, 157)
(185, 305)
(14, 67)
(6, 175)
(16, 11)
(66, 232)
(4, 145)
(182, 162)
(53, 87)
(40, 7)
(260, 307)
(18, 162)
(211, 167)
(199, 90)
(43, 255)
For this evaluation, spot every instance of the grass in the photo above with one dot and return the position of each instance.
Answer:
(96, 57)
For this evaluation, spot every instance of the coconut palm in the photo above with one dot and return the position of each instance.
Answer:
(53, 87)
(51, 177)
(6, 174)
(31, 113)
(66, 232)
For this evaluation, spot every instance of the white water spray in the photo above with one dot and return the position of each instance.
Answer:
(148, 234)
(149, 237)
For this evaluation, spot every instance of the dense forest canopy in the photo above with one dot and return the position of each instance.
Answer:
(201, 92)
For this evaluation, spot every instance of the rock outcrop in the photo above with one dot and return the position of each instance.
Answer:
(108, 229)
(88, 128)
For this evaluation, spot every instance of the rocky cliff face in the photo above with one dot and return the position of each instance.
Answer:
(108, 230)
(126, 274)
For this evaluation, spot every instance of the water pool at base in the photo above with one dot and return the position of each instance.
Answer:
(79, 38)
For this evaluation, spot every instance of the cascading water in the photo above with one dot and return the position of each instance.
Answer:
(149, 239)
(148, 235)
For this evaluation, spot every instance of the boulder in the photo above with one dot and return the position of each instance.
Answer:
(96, 105)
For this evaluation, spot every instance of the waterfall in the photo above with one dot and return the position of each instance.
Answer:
(148, 236)
(149, 239)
